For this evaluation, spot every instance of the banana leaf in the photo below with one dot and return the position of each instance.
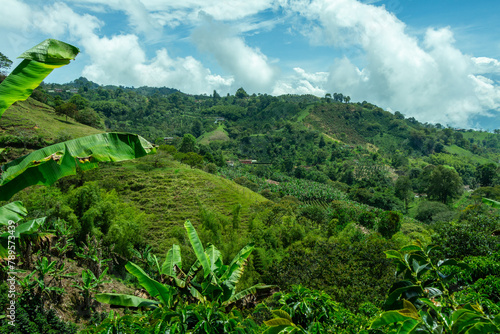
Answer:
(198, 248)
(246, 292)
(47, 165)
(235, 269)
(14, 211)
(491, 202)
(39, 61)
(155, 289)
(118, 299)
(172, 259)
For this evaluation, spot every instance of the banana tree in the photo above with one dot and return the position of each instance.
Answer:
(19, 236)
(217, 285)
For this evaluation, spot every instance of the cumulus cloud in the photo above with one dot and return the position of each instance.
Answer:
(301, 82)
(121, 61)
(431, 79)
(249, 66)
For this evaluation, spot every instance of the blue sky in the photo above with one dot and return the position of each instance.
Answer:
(435, 60)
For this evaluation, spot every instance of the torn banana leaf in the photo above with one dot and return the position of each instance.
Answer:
(47, 165)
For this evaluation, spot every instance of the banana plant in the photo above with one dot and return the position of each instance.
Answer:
(90, 284)
(22, 236)
(218, 283)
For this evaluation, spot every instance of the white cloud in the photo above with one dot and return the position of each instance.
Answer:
(249, 66)
(120, 60)
(143, 13)
(301, 82)
(432, 81)
(486, 65)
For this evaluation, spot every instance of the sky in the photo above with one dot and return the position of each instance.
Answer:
(435, 60)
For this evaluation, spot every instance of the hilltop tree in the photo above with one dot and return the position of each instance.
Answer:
(240, 93)
(5, 63)
(216, 95)
(444, 183)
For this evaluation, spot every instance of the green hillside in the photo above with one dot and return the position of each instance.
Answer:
(324, 195)
(173, 193)
(33, 118)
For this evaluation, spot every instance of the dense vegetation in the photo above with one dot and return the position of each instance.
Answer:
(307, 238)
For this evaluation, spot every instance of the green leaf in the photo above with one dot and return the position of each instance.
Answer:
(387, 318)
(119, 299)
(246, 292)
(154, 288)
(213, 255)
(198, 248)
(235, 269)
(39, 62)
(408, 326)
(172, 259)
(14, 211)
(393, 254)
(29, 227)
(275, 329)
(491, 202)
(410, 249)
(51, 51)
(47, 165)
(282, 314)
(406, 292)
(278, 322)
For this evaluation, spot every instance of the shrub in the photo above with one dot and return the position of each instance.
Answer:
(210, 168)
(389, 224)
(368, 219)
(428, 211)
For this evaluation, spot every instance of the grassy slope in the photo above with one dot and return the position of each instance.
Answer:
(458, 151)
(218, 134)
(35, 118)
(172, 194)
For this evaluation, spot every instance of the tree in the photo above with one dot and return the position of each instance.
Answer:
(216, 95)
(79, 101)
(5, 63)
(403, 189)
(240, 93)
(66, 109)
(486, 174)
(197, 128)
(188, 144)
(444, 183)
(322, 142)
(347, 99)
